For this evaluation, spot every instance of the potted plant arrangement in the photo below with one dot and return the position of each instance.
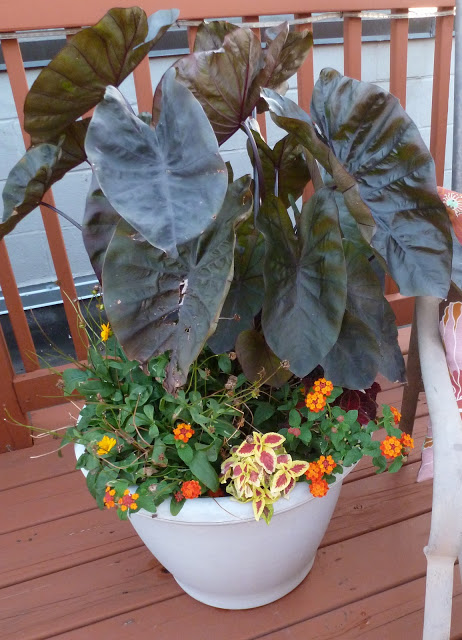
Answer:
(232, 382)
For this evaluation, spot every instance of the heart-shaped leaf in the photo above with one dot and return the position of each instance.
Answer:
(380, 146)
(289, 116)
(40, 167)
(99, 223)
(285, 169)
(156, 303)
(227, 82)
(169, 182)
(292, 56)
(365, 302)
(75, 80)
(257, 360)
(379, 162)
(348, 366)
(72, 144)
(210, 35)
(305, 281)
(26, 184)
(245, 297)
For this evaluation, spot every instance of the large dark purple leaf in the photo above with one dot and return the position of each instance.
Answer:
(26, 184)
(245, 297)
(99, 223)
(305, 281)
(292, 56)
(257, 360)
(227, 82)
(75, 80)
(40, 167)
(379, 162)
(169, 182)
(366, 302)
(210, 35)
(380, 146)
(285, 169)
(156, 303)
(292, 118)
(348, 366)
(72, 148)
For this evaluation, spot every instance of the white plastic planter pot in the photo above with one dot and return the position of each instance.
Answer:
(268, 561)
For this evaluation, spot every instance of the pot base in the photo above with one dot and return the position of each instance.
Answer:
(238, 601)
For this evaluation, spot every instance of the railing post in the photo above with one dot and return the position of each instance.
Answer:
(11, 436)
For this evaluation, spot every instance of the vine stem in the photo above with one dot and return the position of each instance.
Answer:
(61, 213)
(258, 171)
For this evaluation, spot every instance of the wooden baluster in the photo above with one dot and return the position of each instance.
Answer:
(11, 436)
(399, 34)
(440, 97)
(305, 84)
(19, 87)
(143, 86)
(192, 32)
(261, 117)
(352, 32)
(18, 318)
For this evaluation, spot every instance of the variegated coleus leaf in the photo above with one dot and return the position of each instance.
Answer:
(282, 479)
(262, 499)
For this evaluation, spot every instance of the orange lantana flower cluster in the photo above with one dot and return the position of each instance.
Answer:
(396, 414)
(183, 432)
(407, 441)
(323, 386)
(127, 501)
(316, 399)
(191, 489)
(316, 471)
(391, 447)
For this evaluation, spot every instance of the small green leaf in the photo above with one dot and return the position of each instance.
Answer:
(203, 470)
(198, 417)
(148, 411)
(263, 412)
(351, 416)
(153, 431)
(306, 435)
(396, 465)
(158, 450)
(295, 418)
(147, 502)
(175, 506)
(224, 363)
(380, 463)
(73, 378)
(185, 452)
(352, 456)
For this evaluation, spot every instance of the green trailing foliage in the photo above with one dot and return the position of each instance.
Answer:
(171, 234)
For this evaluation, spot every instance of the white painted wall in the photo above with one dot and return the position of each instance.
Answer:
(27, 245)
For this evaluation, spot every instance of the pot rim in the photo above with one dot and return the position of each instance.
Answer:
(225, 510)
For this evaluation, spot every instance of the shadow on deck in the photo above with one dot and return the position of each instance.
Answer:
(70, 571)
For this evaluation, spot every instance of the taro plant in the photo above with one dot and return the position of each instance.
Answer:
(188, 256)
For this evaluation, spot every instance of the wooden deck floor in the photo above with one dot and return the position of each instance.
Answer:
(70, 571)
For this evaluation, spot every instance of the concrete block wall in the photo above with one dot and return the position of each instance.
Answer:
(27, 245)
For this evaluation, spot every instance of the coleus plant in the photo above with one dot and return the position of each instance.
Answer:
(187, 255)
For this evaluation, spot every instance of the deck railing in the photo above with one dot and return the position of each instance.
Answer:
(32, 389)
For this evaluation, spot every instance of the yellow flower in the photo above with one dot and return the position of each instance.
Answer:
(105, 332)
(105, 445)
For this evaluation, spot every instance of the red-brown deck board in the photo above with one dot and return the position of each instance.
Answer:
(70, 571)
